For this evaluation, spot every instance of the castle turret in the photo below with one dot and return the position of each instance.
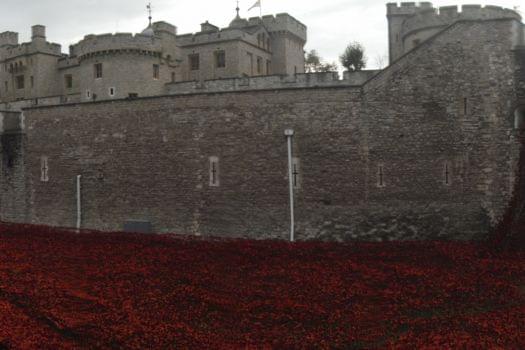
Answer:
(396, 15)
(411, 24)
(8, 38)
(288, 37)
(38, 33)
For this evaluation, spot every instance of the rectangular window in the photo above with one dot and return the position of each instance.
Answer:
(20, 82)
(465, 106)
(44, 169)
(6, 86)
(32, 79)
(194, 61)
(381, 176)
(214, 171)
(172, 77)
(156, 71)
(268, 67)
(68, 80)
(259, 65)
(220, 59)
(97, 70)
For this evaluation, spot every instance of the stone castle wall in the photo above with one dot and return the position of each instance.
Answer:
(305, 80)
(425, 149)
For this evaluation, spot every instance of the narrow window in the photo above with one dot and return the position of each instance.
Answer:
(259, 65)
(465, 106)
(381, 176)
(296, 173)
(194, 61)
(172, 77)
(156, 71)
(44, 169)
(68, 80)
(111, 91)
(268, 67)
(98, 70)
(220, 59)
(447, 174)
(519, 118)
(250, 57)
(295, 70)
(32, 80)
(214, 171)
(6, 86)
(268, 44)
(20, 82)
(88, 94)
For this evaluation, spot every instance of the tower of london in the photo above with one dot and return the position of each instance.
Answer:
(195, 133)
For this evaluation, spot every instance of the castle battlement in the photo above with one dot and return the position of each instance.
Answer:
(209, 36)
(425, 18)
(92, 44)
(406, 8)
(283, 22)
(8, 38)
(15, 51)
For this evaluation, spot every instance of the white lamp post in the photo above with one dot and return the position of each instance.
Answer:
(289, 135)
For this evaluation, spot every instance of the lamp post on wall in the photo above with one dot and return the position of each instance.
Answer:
(79, 202)
(289, 136)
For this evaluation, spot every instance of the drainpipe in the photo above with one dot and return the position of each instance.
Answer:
(289, 135)
(79, 203)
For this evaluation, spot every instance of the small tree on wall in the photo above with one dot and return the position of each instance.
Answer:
(354, 59)
(314, 63)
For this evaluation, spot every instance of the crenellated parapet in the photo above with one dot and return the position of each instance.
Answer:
(206, 37)
(115, 43)
(427, 17)
(8, 39)
(283, 23)
(412, 23)
(406, 8)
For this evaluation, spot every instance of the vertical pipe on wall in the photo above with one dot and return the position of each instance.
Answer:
(79, 202)
(289, 135)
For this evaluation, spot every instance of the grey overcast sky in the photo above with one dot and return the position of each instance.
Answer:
(332, 24)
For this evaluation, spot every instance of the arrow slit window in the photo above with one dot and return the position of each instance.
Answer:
(44, 169)
(214, 172)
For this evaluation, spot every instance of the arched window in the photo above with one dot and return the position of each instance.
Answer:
(519, 118)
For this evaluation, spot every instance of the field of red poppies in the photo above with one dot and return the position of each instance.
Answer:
(63, 290)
